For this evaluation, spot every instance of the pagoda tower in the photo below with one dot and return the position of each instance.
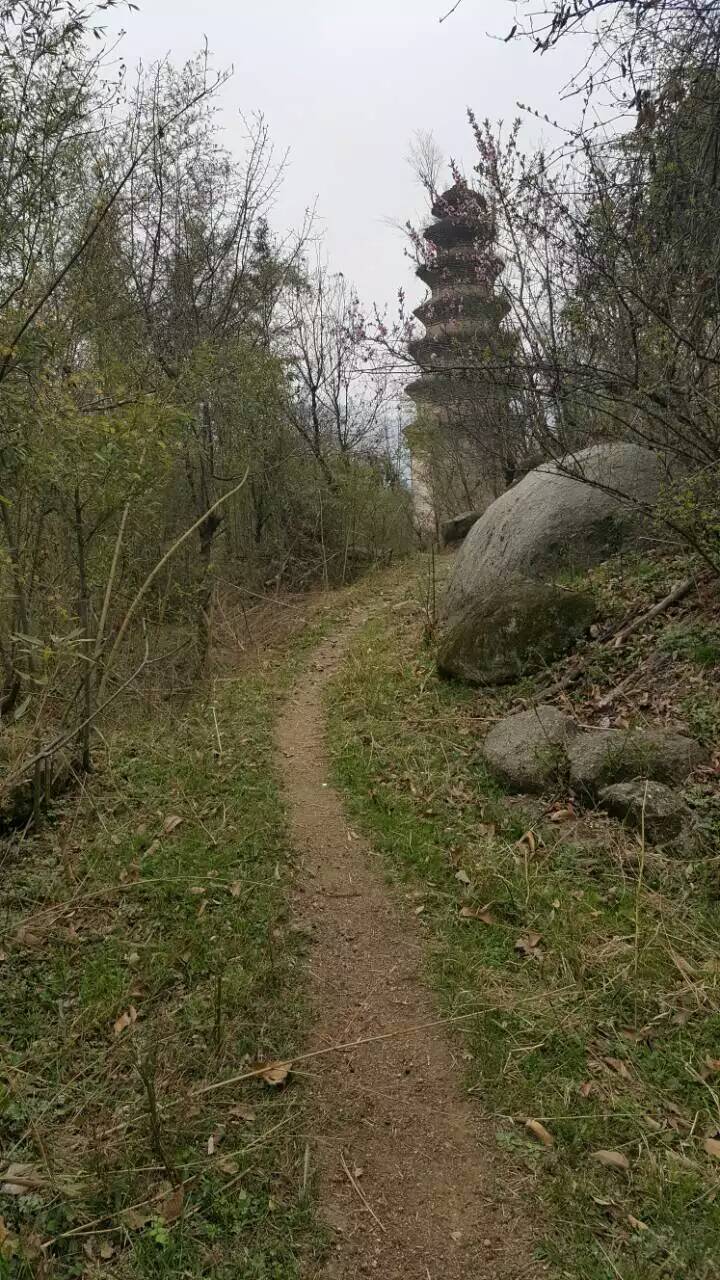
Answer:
(463, 320)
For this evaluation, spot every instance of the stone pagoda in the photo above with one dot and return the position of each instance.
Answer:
(463, 320)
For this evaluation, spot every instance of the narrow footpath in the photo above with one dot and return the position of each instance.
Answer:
(411, 1184)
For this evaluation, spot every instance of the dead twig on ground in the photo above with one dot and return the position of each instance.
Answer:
(333, 1048)
(94, 1227)
(354, 1184)
(654, 664)
(621, 632)
(677, 594)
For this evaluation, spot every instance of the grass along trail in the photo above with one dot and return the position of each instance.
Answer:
(407, 1182)
(146, 956)
(594, 969)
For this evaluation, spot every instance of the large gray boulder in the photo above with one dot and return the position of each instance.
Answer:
(520, 625)
(559, 519)
(458, 527)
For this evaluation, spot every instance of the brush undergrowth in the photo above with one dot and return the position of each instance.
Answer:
(147, 953)
(592, 964)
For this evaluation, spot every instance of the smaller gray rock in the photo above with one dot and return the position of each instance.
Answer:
(601, 757)
(528, 751)
(458, 527)
(666, 816)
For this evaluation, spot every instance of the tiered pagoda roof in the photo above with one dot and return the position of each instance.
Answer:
(461, 271)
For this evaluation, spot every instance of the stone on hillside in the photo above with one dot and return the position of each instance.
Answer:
(552, 522)
(601, 757)
(528, 751)
(532, 750)
(517, 626)
(650, 805)
(458, 528)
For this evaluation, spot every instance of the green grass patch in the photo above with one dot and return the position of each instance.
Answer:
(595, 979)
(147, 953)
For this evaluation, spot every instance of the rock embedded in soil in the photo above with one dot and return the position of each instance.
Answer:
(600, 757)
(535, 750)
(508, 608)
(651, 806)
(557, 520)
(458, 527)
(516, 627)
(528, 751)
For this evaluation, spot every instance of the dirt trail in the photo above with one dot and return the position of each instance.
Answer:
(392, 1116)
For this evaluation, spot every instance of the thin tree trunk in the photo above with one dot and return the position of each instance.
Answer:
(11, 692)
(84, 617)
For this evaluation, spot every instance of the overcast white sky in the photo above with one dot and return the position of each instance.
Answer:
(344, 84)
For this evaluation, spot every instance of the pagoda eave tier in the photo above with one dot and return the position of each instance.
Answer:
(447, 269)
(460, 307)
(440, 390)
(459, 199)
(456, 231)
(445, 350)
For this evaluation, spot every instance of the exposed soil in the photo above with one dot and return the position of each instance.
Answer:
(431, 1199)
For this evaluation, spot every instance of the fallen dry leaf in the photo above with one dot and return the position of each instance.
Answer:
(241, 1112)
(528, 944)
(26, 937)
(636, 1224)
(276, 1073)
(683, 965)
(125, 1020)
(171, 823)
(8, 1241)
(95, 1249)
(483, 914)
(528, 839)
(712, 1064)
(236, 889)
(539, 1131)
(462, 876)
(172, 1207)
(612, 1159)
(136, 1219)
(562, 815)
(214, 1141)
(712, 1146)
(619, 1067)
